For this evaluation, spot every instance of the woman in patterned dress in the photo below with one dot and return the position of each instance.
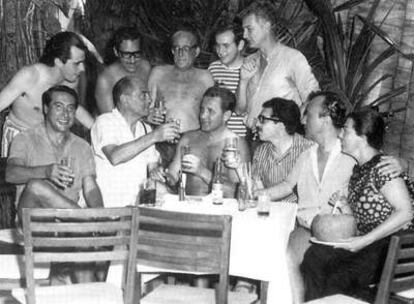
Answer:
(381, 205)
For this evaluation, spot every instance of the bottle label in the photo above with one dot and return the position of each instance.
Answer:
(217, 194)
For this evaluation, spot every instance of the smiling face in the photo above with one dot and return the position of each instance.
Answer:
(227, 49)
(184, 50)
(60, 114)
(212, 116)
(129, 55)
(255, 30)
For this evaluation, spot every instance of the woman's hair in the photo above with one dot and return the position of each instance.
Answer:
(369, 123)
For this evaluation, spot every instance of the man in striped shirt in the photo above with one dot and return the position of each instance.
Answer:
(226, 71)
(277, 126)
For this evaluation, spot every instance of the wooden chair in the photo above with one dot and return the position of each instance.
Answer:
(196, 243)
(80, 235)
(397, 278)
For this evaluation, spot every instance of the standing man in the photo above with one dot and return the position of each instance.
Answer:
(180, 85)
(275, 70)
(131, 62)
(207, 144)
(61, 63)
(124, 144)
(226, 70)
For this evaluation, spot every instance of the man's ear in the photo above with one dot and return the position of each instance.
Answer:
(58, 62)
(45, 109)
(198, 50)
(241, 45)
(226, 115)
(116, 52)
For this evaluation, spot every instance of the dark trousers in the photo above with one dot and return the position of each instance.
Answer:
(327, 271)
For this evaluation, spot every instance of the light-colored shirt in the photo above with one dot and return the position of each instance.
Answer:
(229, 78)
(287, 74)
(119, 184)
(33, 148)
(314, 191)
(272, 168)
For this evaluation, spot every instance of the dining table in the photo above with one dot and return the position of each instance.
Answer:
(258, 243)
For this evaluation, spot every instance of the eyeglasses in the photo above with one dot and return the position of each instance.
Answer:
(185, 48)
(262, 119)
(130, 55)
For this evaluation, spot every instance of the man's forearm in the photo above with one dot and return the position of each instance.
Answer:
(127, 151)
(279, 191)
(17, 174)
(241, 92)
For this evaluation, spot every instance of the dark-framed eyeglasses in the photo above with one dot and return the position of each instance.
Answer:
(185, 48)
(262, 119)
(130, 55)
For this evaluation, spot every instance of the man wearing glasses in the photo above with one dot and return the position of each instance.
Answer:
(124, 144)
(180, 85)
(130, 62)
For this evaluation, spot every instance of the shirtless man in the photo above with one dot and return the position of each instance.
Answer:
(127, 48)
(207, 144)
(61, 63)
(181, 85)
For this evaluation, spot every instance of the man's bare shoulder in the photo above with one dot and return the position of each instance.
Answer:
(30, 74)
(204, 76)
(161, 70)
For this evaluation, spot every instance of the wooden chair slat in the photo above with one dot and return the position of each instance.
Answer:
(80, 241)
(81, 227)
(197, 243)
(404, 268)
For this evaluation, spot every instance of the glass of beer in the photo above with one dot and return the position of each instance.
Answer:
(149, 192)
(68, 162)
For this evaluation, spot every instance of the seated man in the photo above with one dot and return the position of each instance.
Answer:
(124, 145)
(273, 160)
(207, 144)
(36, 155)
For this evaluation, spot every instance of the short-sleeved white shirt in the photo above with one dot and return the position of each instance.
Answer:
(119, 184)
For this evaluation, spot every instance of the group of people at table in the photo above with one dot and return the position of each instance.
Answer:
(268, 93)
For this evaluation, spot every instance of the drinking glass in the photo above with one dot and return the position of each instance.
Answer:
(159, 106)
(263, 205)
(149, 192)
(68, 162)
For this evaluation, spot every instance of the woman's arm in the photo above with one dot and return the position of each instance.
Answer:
(396, 192)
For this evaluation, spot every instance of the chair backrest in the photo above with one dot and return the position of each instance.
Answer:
(81, 235)
(186, 242)
(398, 272)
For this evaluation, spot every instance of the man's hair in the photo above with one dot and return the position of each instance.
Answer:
(126, 33)
(262, 9)
(124, 86)
(369, 123)
(185, 30)
(332, 106)
(47, 95)
(59, 45)
(228, 99)
(234, 27)
(287, 111)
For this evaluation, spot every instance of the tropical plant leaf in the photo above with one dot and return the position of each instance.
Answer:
(387, 97)
(347, 5)
(383, 35)
(368, 70)
(361, 97)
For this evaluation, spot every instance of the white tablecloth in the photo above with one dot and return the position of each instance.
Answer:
(258, 245)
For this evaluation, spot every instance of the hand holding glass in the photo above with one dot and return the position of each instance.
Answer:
(68, 178)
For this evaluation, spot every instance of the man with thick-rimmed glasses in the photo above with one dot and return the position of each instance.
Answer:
(131, 62)
(181, 85)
